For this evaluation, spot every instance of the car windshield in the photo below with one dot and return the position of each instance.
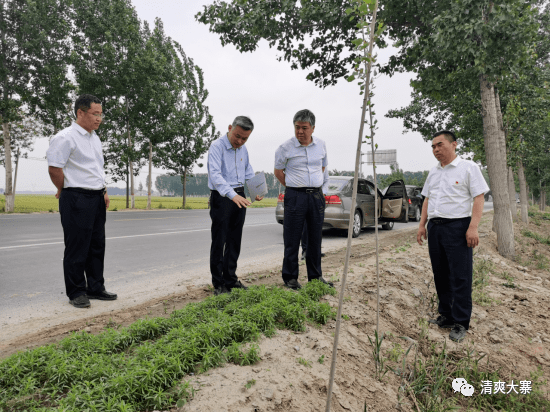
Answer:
(410, 190)
(337, 184)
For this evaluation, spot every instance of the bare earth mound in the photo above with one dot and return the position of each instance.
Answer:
(509, 326)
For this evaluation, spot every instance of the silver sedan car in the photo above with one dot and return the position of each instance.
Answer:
(392, 207)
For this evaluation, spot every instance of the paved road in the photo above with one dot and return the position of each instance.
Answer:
(143, 248)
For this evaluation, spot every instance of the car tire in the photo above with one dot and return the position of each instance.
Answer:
(417, 214)
(388, 226)
(357, 225)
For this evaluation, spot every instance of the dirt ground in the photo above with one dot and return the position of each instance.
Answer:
(511, 328)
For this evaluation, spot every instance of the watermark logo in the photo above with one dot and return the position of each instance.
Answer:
(461, 385)
(489, 387)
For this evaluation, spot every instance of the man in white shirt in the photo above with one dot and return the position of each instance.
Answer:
(75, 165)
(300, 164)
(450, 188)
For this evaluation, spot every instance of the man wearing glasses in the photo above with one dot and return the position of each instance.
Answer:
(75, 164)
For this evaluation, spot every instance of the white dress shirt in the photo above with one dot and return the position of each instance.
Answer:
(451, 189)
(80, 154)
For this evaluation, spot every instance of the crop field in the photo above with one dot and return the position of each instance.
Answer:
(48, 203)
(143, 367)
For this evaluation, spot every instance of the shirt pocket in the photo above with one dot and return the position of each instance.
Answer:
(457, 186)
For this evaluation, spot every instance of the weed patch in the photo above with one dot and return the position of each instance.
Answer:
(534, 235)
(141, 367)
(481, 273)
(429, 381)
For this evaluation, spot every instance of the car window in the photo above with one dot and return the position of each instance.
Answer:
(411, 191)
(336, 184)
(362, 188)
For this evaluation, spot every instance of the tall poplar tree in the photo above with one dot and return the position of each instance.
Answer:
(33, 47)
(193, 129)
(108, 41)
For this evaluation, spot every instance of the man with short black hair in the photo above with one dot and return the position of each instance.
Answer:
(228, 170)
(300, 163)
(75, 165)
(450, 190)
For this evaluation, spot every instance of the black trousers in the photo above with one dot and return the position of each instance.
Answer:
(227, 230)
(83, 217)
(303, 208)
(452, 267)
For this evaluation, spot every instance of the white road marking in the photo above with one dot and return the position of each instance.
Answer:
(129, 236)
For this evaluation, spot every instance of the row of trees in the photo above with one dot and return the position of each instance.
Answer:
(152, 93)
(481, 69)
(197, 184)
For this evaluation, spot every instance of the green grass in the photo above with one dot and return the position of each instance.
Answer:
(48, 203)
(430, 380)
(534, 235)
(142, 367)
(480, 281)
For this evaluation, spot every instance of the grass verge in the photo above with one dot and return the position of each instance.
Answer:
(141, 367)
(48, 203)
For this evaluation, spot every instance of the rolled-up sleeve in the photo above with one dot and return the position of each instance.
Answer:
(280, 158)
(249, 174)
(325, 181)
(215, 172)
(59, 151)
(325, 159)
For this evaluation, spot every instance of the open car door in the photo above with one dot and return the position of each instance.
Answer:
(395, 203)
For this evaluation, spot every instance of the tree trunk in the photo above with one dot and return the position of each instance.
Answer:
(16, 168)
(127, 188)
(512, 194)
(10, 201)
(523, 193)
(149, 181)
(543, 199)
(496, 166)
(541, 195)
(130, 151)
(184, 186)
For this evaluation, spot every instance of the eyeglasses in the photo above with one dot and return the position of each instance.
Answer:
(97, 115)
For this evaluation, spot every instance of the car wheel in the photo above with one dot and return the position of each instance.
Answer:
(417, 214)
(357, 224)
(388, 226)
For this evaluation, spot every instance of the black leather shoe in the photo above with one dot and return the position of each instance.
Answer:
(80, 302)
(103, 295)
(442, 322)
(294, 284)
(238, 284)
(322, 254)
(221, 290)
(321, 279)
(458, 333)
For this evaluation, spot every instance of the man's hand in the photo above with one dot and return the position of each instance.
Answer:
(58, 193)
(472, 237)
(421, 233)
(107, 201)
(259, 198)
(240, 201)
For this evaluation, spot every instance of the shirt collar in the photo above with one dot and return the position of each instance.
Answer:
(82, 130)
(297, 143)
(455, 162)
(227, 144)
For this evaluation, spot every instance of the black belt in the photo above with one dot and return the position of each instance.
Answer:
(439, 221)
(306, 189)
(239, 189)
(102, 191)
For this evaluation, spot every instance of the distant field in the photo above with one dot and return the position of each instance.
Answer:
(48, 203)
